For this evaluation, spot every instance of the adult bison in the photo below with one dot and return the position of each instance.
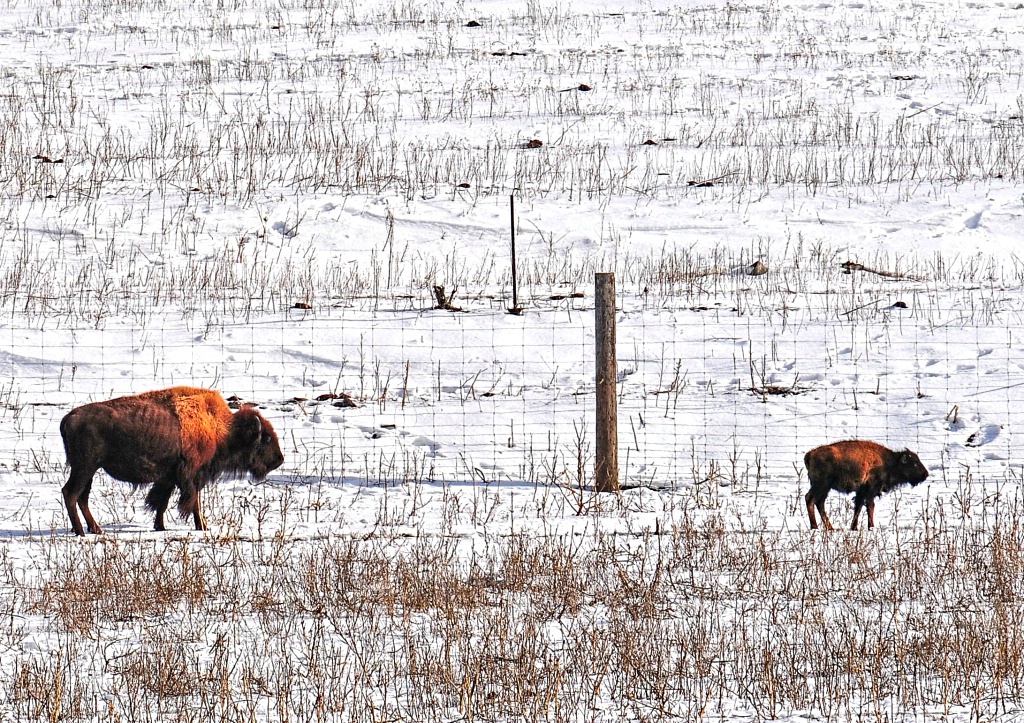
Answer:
(865, 468)
(182, 437)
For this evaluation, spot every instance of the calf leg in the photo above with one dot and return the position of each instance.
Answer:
(863, 501)
(824, 516)
(809, 499)
(814, 500)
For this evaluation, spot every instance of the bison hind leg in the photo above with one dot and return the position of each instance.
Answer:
(809, 499)
(90, 522)
(816, 499)
(76, 494)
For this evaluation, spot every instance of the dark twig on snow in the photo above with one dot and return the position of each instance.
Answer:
(444, 300)
(850, 266)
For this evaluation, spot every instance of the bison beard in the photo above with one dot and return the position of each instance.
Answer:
(179, 438)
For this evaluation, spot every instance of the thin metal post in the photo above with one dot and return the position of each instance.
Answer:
(515, 280)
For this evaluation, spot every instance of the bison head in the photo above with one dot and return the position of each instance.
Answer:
(910, 469)
(252, 445)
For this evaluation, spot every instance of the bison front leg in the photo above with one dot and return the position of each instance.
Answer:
(157, 499)
(189, 501)
(197, 515)
(76, 494)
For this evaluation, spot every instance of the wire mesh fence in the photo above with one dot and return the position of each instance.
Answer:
(715, 393)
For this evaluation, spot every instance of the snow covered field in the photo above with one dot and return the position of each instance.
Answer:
(259, 197)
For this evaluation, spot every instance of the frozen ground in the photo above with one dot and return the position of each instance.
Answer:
(259, 197)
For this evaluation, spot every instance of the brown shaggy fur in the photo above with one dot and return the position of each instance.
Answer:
(205, 420)
(179, 438)
(865, 468)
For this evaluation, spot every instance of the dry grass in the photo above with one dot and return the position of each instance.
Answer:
(695, 621)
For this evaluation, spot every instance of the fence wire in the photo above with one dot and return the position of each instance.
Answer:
(709, 394)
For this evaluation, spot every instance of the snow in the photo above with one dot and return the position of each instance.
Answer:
(259, 197)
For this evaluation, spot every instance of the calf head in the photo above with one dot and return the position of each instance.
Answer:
(909, 468)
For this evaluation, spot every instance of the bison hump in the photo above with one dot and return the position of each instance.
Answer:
(205, 421)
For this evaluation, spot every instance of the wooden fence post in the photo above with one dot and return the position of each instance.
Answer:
(606, 466)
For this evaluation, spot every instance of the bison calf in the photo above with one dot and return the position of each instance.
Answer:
(864, 468)
(179, 438)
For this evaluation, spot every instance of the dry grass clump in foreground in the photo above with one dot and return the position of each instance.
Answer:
(699, 621)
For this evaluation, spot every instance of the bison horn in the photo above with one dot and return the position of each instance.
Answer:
(249, 425)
